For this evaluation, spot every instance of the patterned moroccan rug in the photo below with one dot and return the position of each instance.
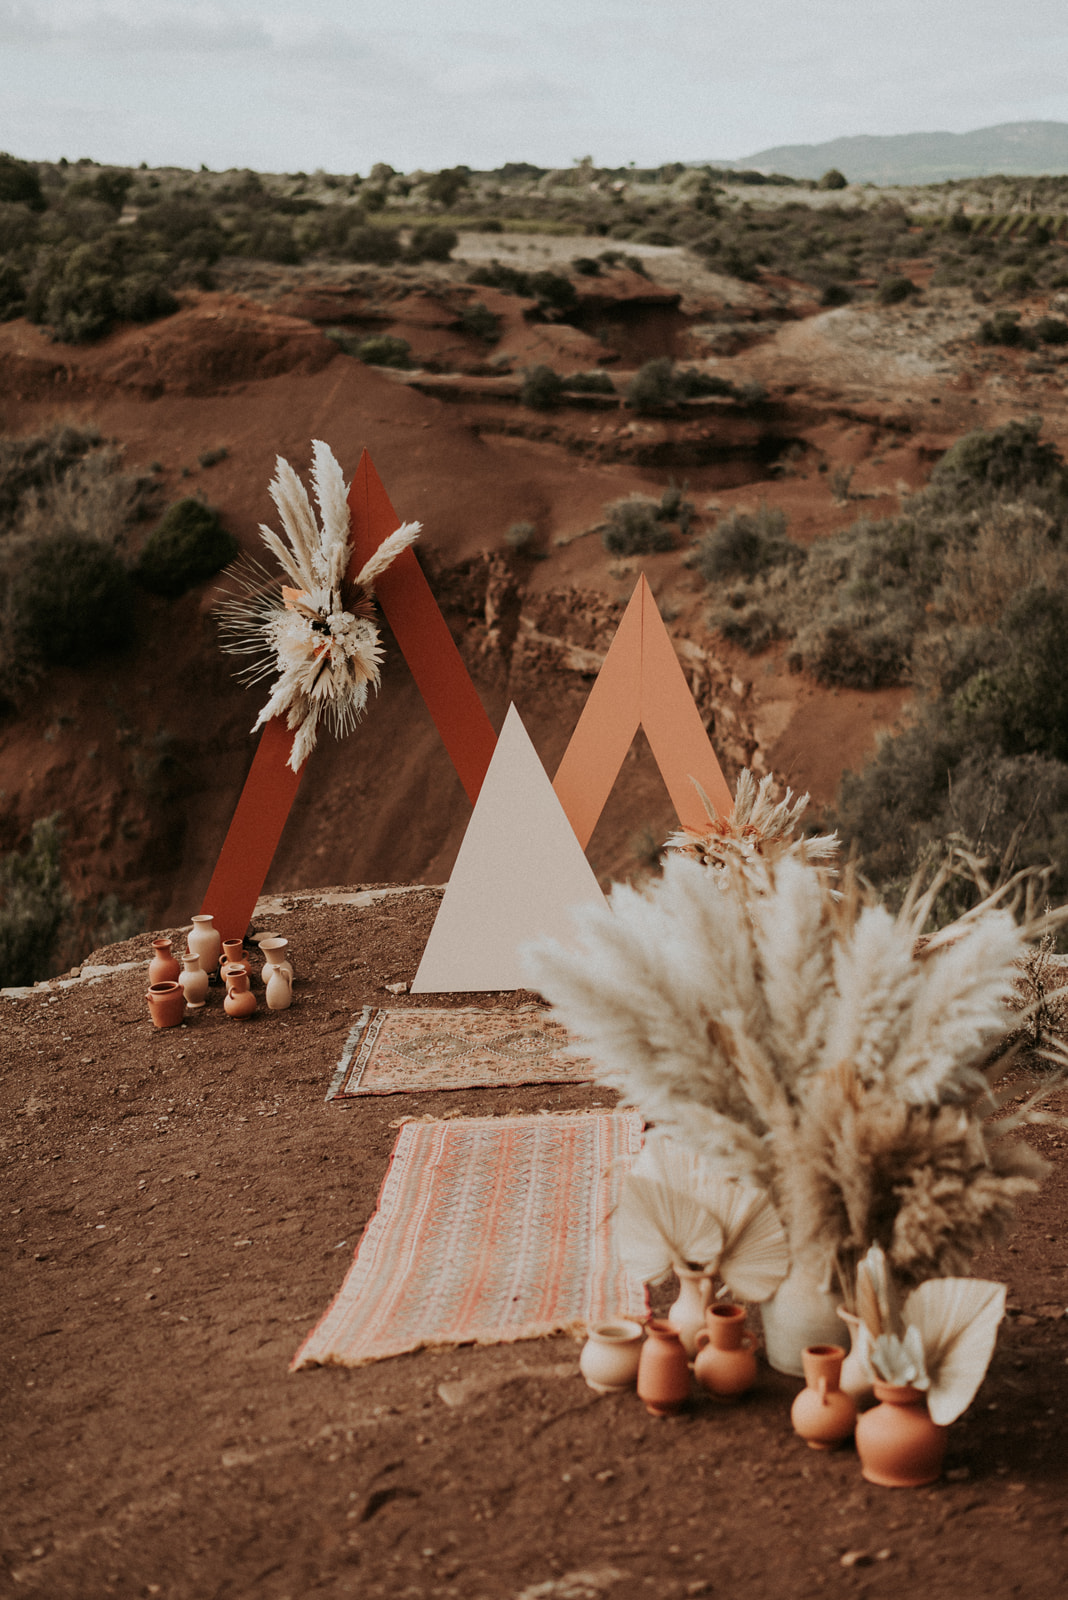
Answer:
(488, 1230)
(388, 1052)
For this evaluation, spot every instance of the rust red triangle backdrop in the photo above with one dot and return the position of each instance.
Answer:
(444, 682)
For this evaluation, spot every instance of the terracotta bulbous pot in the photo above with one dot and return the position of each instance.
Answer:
(194, 982)
(166, 1003)
(663, 1370)
(822, 1414)
(240, 1001)
(726, 1363)
(899, 1446)
(205, 940)
(610, 1356)
(163, 968)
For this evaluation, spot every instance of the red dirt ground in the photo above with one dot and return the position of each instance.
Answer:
(180, 1207)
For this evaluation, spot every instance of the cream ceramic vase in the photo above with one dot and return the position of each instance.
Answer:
(854, 1380)
(687, 1314)
(276, 953)
(610, 1356)
(800, 1313)
(279, 987)
(205, 940)
(194, 981)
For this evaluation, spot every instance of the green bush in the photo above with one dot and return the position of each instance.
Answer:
(1008, 461)
(744, 543)
(596, 382)
(893, 290)
(188, 546)
(542, 388)
(659, 384)
(19, 183)
(69, 599)
(553, 292)
(1015, 280)
(836, 294)
(832, 179)
(431, 244)
(1051, 330)
(384, 350)
(477, 319)
(379, 246)
(636, 526)
(34, 906)
(1002, 328)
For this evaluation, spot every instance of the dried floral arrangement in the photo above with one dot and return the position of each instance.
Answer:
(758, 830)
(796, 1041)
(317, 639)
(939, 1340)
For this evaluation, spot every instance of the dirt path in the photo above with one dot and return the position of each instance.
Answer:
(179, 1208)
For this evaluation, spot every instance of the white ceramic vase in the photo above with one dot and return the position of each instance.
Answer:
(610, 1356)
(800, 1313)
(194, 980)
(205, 940)
(687, 1314)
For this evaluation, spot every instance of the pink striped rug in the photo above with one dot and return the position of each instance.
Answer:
(488, 1230)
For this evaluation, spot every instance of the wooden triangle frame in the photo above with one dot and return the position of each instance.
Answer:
(640, 685)
(424, 640)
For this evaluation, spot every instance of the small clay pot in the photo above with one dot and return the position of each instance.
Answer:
(898, 1444)
(166, 1003)
(163, 968)
(663, 1370)
(240, 1001)
(726, 1364)
(822, 1414)
(610, 1356)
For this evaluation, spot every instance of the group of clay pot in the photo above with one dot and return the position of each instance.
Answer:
(898, 1444)
(178, 987)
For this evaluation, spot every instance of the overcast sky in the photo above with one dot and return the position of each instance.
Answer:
(340, 84)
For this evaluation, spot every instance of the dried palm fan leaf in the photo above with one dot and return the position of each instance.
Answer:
(754, 1255)
(957, 1321)
(658, 1228)
(318, 637)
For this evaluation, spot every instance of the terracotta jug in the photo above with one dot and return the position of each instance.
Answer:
(240, 1001)
(194, 982)
(166, 1003)
(726, 1364)
(663, 1370)
(234, 956)
(687, 1314)
(822, 1414)
(610, 1356)
(163, 968)
(898, 1444)
(205, 940)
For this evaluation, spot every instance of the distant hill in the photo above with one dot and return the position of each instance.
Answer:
(1017, 149)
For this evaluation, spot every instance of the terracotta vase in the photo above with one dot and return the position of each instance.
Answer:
(726, 1364)
(855, 1381)
(898, 1444)
(234, 956)
(205, 940)
(800, 1313)
(687, 1314)
(276, 953)
(610, 1356)
(163, 968)
(240, 1001)
(166, 1003)
(194, 982)
(822, 1414)
(663, 1370)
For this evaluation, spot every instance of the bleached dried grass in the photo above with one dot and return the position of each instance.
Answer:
(795, 1038)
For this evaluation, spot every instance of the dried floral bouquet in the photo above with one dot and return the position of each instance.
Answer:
(792, 1037)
